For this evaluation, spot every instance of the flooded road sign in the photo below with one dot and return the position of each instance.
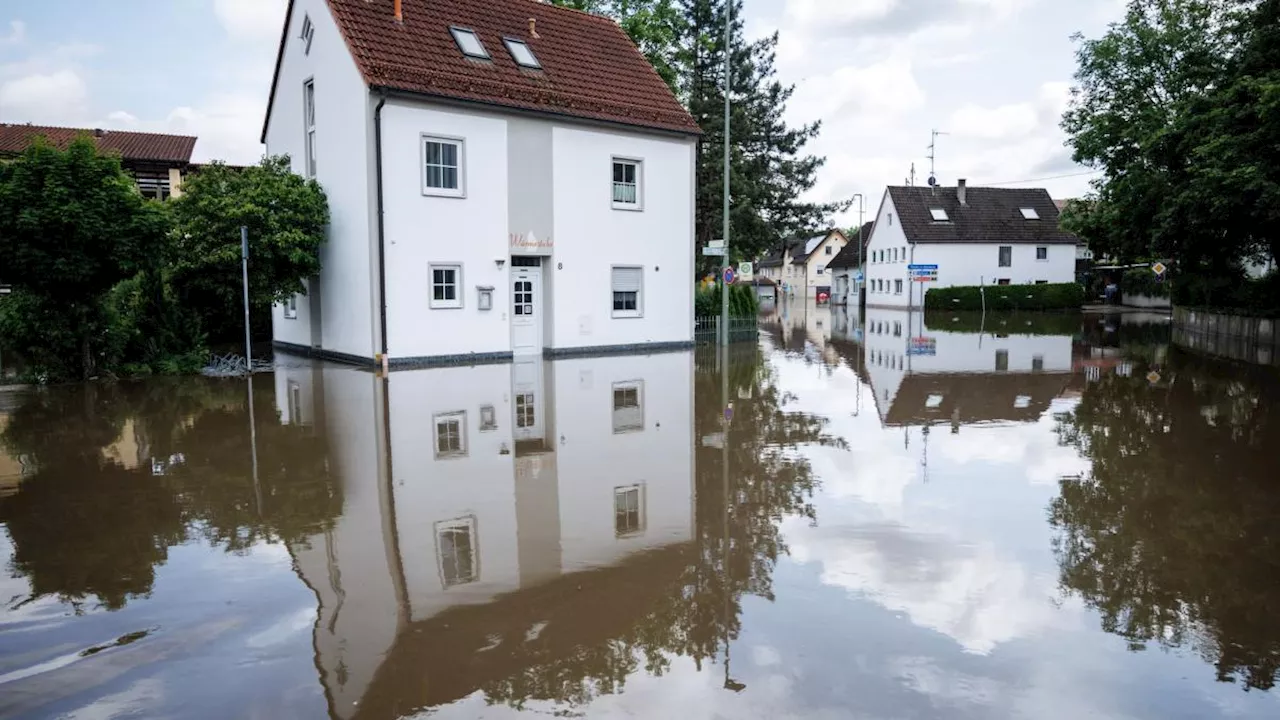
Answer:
(1153, 377)
(1159, 268)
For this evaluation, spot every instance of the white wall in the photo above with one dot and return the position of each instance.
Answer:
(820, 258)
(591, 237)
(342, 126)
(424, 229)
(593, 460)
(958, 263)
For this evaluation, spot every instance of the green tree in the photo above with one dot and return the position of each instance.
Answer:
(286, 216)
(72, 226)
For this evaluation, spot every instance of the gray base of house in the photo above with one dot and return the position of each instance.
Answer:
(480, 358)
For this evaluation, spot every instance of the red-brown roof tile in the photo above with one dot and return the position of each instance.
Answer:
(132, 146)
(590, 68)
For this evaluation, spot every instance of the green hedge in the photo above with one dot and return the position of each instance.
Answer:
(742, 301)
(1056, 296)
(1004, 323)
(1142, 281)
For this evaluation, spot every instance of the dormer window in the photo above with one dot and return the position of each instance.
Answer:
(938, 214)
(522, 54)
(1030, 214)
(469, 43)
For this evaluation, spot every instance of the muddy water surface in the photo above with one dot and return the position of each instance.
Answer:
(888, 516)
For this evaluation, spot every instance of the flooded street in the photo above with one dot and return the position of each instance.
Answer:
(888, 516)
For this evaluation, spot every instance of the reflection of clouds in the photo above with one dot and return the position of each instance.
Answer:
(1033, 446)
(924, 676)
(966, 591)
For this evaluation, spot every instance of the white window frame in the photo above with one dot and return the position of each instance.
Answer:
(624, 491)
(461, 167)
(1045, 248)
(309, 126)
(638, 164)
(291, 308)
(638, 387)
(456, 302)
(939, 214)
(468, 524)
(639, 309)
(308, 34)
(459, 417)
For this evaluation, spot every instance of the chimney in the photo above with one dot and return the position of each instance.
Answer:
(99, 132)
(399, 13)
(533, 28)
(960, 192)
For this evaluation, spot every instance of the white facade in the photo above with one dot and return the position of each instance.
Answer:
(959, 264)
(533, 212)
(527, 490)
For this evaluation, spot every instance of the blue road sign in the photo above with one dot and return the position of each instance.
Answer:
(857, 276)
(729, 276)
(922, 267)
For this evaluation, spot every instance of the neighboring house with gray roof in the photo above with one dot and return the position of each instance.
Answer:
(975, 236)
(799, 267)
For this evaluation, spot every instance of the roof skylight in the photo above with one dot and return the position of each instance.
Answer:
(939, 215)
(522, 53)
(469, 43)
(1030, 214)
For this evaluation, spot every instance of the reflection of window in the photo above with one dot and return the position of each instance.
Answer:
(1002, 360)
(524, 410)
(1022, 402)
(628, 409)
(1037, 363)
(933, 402)
(451, 435)
(897, 327)
(628, 510)
(456, 551)
(488, 418)
(295, 403)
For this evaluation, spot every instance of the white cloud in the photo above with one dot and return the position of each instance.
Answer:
(1007, 121)
(251, 20)
(44, 98)
(17, 33)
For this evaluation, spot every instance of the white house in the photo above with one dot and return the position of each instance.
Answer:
(540, 492)
(975, 236)
(844, 267)
(800, 265)
(504, 178)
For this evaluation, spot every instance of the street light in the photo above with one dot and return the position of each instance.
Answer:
(861, 209)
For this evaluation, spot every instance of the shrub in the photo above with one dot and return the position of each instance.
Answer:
(1142, 281)
(1054, 296)
(742, 301)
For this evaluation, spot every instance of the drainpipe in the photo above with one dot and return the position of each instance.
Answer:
(382, 235)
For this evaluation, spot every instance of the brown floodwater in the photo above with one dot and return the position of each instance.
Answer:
(889, 516)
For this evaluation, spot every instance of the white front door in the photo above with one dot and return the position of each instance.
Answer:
(526, 310)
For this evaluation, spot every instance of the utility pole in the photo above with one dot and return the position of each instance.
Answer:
(244, 279)
(728, 86)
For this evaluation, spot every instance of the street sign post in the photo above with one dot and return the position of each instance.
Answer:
(746, 272)
(1158, 268)
(923, 273)
(713, 251)
(858, 276)
(729, 276)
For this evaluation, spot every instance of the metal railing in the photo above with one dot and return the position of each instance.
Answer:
(706, 329)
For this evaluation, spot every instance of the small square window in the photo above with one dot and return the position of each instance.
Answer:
(456, 551)
(469, 43)
(627, 177)
(1030, 214)
(451, 435)
(1037, 363)
(446, 286)
(628, 407)
(628, 287)
(443, 166)
(1042, 253)
(522, 53)
(291, 308)
(821, 268)
(938, 214)
(830, 250)
(628, 510)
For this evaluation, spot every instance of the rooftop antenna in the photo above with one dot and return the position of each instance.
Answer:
(933, 154)
(911, 179)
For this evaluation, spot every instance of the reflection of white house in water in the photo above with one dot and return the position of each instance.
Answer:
(465, 485)
(923, 375)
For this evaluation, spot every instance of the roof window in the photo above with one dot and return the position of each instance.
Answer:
(1030, 214)
(939, 215)
(469, 43)
(522, 53)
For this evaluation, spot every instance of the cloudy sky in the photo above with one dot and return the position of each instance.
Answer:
(879, 74)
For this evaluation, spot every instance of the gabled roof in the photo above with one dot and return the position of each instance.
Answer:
(778, 257)
(972, 398)
(590, 68)
(848, 257)
(131, 146)
(989, 215)
(807, 246)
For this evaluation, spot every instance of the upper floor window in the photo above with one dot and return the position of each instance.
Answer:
(938, 214)
(1029, 214)
(469, 43)
(308, 32)
(830, 250)
(821, 269)
(291, 308)
(626, 184)
(522, 54)
(1006, 256)
(442, 166)
(309, 120)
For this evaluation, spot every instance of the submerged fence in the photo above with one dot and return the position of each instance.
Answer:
(706, 329)
(1237, 337)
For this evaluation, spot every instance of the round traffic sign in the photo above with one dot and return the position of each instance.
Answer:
(729, 276)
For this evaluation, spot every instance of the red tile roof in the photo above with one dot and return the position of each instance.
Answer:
(590, 68)
(132, 146)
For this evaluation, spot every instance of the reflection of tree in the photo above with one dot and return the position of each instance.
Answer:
(91, 520)
(700, 611)
(1175, 535)
(82, 524)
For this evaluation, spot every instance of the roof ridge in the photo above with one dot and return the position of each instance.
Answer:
(93, 130)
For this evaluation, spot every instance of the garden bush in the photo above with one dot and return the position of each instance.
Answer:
(1142, 281)
(742, 301)
(1053, 296)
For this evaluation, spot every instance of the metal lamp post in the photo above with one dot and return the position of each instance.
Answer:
(724, 262)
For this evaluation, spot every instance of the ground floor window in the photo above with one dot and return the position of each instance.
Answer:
(628, 286)
(446, 286)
